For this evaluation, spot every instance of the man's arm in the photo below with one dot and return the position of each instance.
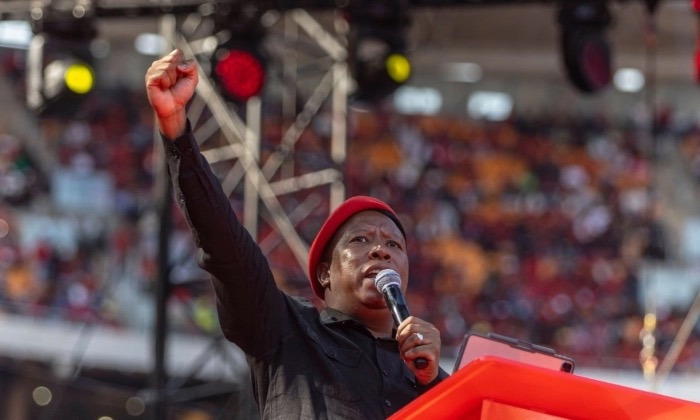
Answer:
(251, 307)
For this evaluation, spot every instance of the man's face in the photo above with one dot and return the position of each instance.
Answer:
(366, 244)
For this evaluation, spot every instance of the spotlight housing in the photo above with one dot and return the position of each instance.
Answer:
(239, 63)
(378, 57)
(585, 50)
(60, 65)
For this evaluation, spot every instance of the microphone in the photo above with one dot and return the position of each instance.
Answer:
(388, 282)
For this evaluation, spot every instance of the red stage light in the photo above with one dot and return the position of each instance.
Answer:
(585, 50)
(595, 64)
(240, 74)
(696, 9)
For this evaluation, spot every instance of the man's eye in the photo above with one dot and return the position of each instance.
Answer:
(394, 244)
(359, 239)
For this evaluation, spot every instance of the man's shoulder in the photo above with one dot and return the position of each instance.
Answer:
(303, 304)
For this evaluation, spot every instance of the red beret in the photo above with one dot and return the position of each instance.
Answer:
(340, 215)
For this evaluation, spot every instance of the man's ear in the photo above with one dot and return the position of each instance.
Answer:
(323, 274)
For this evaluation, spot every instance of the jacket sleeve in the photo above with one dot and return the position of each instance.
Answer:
(250, 306)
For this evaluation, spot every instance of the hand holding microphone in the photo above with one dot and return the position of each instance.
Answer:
(388, 282)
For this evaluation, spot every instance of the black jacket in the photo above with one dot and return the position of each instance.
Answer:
(304, 364)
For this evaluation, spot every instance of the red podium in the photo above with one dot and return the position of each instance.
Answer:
(492, 388)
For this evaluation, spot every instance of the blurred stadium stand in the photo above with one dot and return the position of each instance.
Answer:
(566, 223)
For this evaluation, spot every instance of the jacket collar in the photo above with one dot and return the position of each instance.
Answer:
(330, 317)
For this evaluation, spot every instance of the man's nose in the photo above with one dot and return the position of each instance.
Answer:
(379, 252)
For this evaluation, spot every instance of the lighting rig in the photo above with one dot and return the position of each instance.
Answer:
(585, 50)
(60, 65)
(239, 63)
(378, 50)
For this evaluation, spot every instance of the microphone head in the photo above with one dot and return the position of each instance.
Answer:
(386, 278)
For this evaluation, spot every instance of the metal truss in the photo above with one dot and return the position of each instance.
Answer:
(28, 9)
(108, 8)
(267, 182)
(232, 145)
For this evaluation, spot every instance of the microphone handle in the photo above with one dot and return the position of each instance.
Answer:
(396, 303)
(399, 311)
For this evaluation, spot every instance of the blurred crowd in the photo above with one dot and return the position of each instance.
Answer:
(532, 227)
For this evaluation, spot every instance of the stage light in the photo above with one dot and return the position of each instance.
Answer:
(377, 49)
(418, 101)
(239, 72)
(74, 76)
(696, 10)
(378, 65)
(239, 62)
(585, 50)
(79, 78)
(60, 72)
(398, 68)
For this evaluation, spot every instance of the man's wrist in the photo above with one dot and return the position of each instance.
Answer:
(174, 126)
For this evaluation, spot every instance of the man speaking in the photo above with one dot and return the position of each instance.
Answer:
(349, 360)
